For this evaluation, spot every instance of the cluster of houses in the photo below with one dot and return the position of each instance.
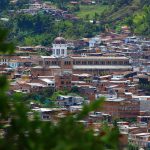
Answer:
(37, 6)
(108, 65)
(85, 2)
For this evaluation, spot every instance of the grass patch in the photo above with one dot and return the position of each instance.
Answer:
(91, 10)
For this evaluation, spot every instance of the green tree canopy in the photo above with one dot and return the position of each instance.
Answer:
(4, 4)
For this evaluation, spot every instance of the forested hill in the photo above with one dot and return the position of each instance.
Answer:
(117, 3)
(42, 27)
(113, 13)
(134, 13)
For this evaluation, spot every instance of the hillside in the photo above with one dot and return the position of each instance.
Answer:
(43, 27)
(134, 13)
(113, 13)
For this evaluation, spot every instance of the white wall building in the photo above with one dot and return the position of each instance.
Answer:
(9, 62)
(60, 47)
(66, 100)
(144, 102)
(93, 41)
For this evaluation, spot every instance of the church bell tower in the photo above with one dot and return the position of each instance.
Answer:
(60, 47)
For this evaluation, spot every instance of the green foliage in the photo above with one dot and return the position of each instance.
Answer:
(57, 93)
(141, 21)
(4, 4)
(133, 147)
(22, 3)
(5, 47)
(67, 134)
(41, 29)
(75, 89)
(62, 4)
(91, 10)
(4, 106)
(145, 87)
(88, 108)
(72, 8)
(40, 97)
(134, 13)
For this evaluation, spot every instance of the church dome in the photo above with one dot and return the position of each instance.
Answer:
(59, 40)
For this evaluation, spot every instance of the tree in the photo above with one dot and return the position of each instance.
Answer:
(129, 22)
(87, 17)
(22, 3)
(96, 16)
(75, 89)
(4, 4)
(142, 21)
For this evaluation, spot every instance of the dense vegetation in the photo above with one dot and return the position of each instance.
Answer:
(141, 21)
(134, 13)
(43, 28)
(4, 4)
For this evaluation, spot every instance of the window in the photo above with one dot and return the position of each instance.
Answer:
(58, 51)
(96, 62)
(83, 62)
(114, 62)
(40, 62)
(67, 62)
(63, 51)
(120, 63)
(108, 63)
(126, 62)
(54, 62)
(46, 62)
(90, 62)
(78, 62)
(103, 63)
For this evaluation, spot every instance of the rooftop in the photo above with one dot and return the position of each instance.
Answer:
(36, 84)
(47, 80)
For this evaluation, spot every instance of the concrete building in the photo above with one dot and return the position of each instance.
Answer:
(69, 100)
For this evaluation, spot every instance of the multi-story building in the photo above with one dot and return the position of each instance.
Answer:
(82, 64)
(69, 100)
(121, 108)
(63, 81)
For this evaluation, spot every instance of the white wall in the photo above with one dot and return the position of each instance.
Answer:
(62, 48)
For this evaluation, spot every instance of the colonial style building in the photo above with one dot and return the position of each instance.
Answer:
(81, 64)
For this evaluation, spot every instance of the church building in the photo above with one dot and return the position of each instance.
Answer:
(60, 62)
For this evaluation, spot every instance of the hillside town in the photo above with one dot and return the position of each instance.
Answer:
(114, 66)
(62, 77)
